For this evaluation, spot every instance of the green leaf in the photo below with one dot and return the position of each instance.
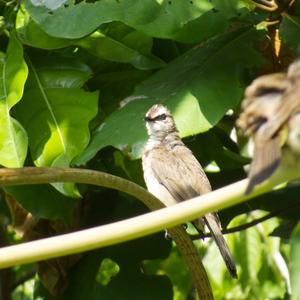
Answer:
(289, 208)
(176, 270)
(199, 87)
(56, 111)
(290, 32)
(132, 280)
(115, 85)
(230, 8)
(44, 201)
(129, 284)
(13, 138)
(51, 4)
(250, 254)
(161, 18)
(295, 263)
(122, 51)
(31, 34)
(256, 254)
(211, 23)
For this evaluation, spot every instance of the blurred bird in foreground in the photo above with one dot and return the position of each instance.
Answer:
(173, 174)
(271, 117)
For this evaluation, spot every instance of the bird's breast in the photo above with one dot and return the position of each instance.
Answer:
(153, 185)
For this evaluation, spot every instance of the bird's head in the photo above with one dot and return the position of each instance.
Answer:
(159, 121)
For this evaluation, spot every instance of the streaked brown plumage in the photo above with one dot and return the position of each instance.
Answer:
(173, 174)
(270, 117)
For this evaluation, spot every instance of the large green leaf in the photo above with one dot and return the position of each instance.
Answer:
(250, 254)
(130, 46)
(123, 50)
(13, 138)
(159, 18)
(199, 87)
(207, 25)
(56, 111)
(290, 32)
(254, 252)
(230, 7)
(115, 85)
(31, 34)
(295, 263)
(43, 201)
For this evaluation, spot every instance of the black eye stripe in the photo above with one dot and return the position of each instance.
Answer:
(160, 117)
(157, 118)
(266, 91)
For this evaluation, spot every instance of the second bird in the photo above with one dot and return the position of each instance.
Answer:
(173, 174)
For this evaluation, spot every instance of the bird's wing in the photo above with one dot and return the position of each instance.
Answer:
(267, 158)
(179, 172)
(290, 105)
(265, 98)
(182, 175)
(270, 137)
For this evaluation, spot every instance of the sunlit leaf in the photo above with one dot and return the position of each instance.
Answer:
(211, 23)
(51, 4)
(13, 138)
(230, 7)
(295, 263)
(31, 34)
(132, 47)
(161, 18)
(56, 111)
(199, 87)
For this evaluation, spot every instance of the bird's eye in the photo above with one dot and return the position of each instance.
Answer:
(263, 91)
(161, 117)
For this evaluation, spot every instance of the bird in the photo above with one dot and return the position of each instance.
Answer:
(271, 118)
(173, 174)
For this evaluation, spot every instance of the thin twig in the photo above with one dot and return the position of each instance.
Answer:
(266, 5)
(249, 224)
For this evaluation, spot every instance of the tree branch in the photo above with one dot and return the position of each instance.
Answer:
(45, 175)
(114, 233)
(125, 230)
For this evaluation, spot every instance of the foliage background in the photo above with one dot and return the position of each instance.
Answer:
(76, 80)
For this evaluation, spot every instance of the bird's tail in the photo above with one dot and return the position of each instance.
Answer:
(215, 230)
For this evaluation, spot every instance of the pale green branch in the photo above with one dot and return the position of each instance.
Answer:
(117, 232)
(44, 175)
